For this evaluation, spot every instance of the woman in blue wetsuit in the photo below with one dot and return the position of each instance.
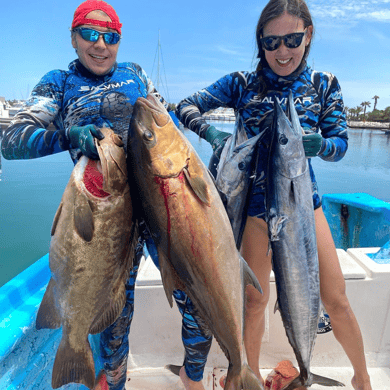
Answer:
(95, 92)
(284, 34)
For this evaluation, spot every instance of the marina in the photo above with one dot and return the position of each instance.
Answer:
(370, 125)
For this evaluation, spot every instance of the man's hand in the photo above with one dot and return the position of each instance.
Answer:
(83, 137)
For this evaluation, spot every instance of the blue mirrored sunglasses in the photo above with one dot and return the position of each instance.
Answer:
(292, 41)
(91, 35)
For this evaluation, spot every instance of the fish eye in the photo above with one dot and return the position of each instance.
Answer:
(283, 140)
(241, 166)
(148, 135)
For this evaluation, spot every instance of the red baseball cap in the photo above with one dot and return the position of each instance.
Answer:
(88, 6)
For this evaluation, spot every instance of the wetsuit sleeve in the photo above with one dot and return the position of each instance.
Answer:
(333, 121)
(27, 136)
(223, 93)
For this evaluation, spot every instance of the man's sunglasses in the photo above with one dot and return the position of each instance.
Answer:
(91, 35)
(292, 41)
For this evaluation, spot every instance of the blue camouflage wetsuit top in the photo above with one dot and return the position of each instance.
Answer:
(78, 97)
(317, 99)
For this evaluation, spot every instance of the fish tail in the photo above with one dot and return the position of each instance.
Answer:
(246, 380)
(71, 366)
(320, 380)
(323, 381)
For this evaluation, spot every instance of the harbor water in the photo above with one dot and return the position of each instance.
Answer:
(31, 190)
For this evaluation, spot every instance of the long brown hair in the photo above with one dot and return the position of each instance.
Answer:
(272, 10)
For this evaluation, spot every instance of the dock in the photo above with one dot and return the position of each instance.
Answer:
(220, 114)
(369, 125)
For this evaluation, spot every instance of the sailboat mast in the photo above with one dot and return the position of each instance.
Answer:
(158, 80)
(158, 61)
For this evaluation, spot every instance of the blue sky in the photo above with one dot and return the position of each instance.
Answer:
(201, 41)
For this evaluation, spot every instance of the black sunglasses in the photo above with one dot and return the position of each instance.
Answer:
(91, 35)
(292, 41)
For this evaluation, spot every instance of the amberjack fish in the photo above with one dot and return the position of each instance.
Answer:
(234, 174)
(292, 235)
(91, 252)
(191, 230)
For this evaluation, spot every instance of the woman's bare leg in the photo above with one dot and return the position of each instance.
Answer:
(333, 295)
(254, 250)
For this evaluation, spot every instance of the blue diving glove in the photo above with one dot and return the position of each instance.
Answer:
(217, 139)
(312, 143)
(83, 137)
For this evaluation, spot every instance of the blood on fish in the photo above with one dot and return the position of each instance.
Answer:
(93, 180)
(187, 208)
(165, 191)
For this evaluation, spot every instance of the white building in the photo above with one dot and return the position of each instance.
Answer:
(4, 108)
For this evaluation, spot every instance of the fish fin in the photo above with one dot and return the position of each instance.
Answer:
(245, 380)
(169, 277)
(72, 366)
(173, 369)
(131, 250)
(323, 381)
(48, 316)
(108, 316)
(269, 249)
(112, 312)
(275, 225)
(249, 276)
(56, 219)
(83, 218)
(196, 182)
(320, 380)
(276, 307)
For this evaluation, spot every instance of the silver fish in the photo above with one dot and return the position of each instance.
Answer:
(90, 257)
(191, 230)
(292, 235)
(234, 175)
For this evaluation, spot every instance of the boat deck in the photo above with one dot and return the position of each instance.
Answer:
(161, 379)
(27, 355)
(155, 337)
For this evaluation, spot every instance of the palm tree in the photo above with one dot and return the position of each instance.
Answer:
(365, 105)
(346, 109)
(375, 101)
(358, 110)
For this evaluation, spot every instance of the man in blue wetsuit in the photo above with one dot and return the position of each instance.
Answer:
(96, 92)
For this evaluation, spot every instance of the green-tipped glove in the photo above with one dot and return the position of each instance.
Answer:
(83, 137)
(312, 143)
(217, 139)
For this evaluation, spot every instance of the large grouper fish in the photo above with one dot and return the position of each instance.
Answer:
(191, 230)
(292, 235)
(90, 257)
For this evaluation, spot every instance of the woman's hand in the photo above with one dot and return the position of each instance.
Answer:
(312, 143)
(217, 139)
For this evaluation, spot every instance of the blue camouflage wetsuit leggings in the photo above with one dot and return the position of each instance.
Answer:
(114, 341)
